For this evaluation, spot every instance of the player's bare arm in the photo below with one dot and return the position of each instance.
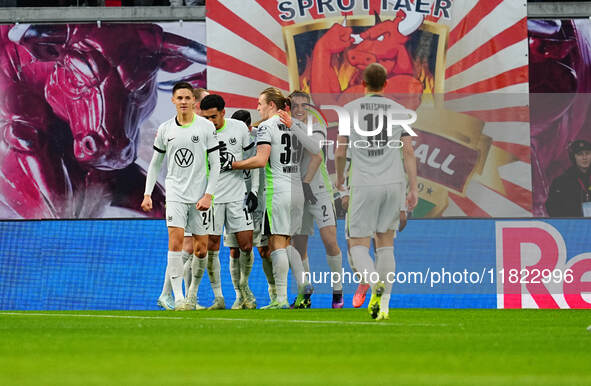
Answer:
(258, 161)
(147, 203)
(340, 159)
(313, 143)
(213, 157)
(410, 165)
(204, 203)
(152, 176)
(313, 166)
(285, 118)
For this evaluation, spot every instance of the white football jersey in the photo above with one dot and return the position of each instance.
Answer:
(234, 134)
(249, 173)
(187, 148)
(282, 171)
(321, 182)
(375, 160)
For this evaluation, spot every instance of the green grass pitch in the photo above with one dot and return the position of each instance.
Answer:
(424, 347)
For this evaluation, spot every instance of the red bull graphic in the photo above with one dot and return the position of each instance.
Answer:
(536, 270)
(461, 65)
(350, 44)
(74, 98)
(381, 43)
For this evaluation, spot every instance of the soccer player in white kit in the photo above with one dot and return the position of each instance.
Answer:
(187, 252)
(319, 205)
(283, 190)
(191, 144)
(255, 204)
(229, 210)
(376, 182)
(363, 287)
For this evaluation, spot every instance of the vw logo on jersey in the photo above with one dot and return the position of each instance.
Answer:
(195, 138)
(232, 141)
(226, 158)
(183, 157)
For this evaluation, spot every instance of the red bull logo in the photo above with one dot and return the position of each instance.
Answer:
(533, 270)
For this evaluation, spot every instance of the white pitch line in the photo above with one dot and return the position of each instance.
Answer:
(374, 323)
(332, 322)
(93, 316)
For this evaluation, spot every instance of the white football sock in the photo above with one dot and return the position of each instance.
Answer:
(187, 260)
(186, 256)
(235, 275)
(213, 270)
(197, 269)
(246, 261)
(166, 287)
(385, 263)
(175, 272)
(297, 268)
(364, 264)
(306, 263)
(351, 263)
(280, 271)
(336, 265)
(268, 269)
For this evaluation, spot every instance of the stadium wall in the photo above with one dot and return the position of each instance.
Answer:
(118, 265)
(546, 10)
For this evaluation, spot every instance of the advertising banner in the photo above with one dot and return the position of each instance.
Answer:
(543, 264)
(461, 65)
(463, 263)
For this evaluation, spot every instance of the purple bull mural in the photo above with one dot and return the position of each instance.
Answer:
(560, 87)
(73, 101)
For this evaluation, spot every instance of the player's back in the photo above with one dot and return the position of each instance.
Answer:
(282, 171)
(375, 159)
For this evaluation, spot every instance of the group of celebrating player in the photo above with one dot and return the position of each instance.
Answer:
(265, 185)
